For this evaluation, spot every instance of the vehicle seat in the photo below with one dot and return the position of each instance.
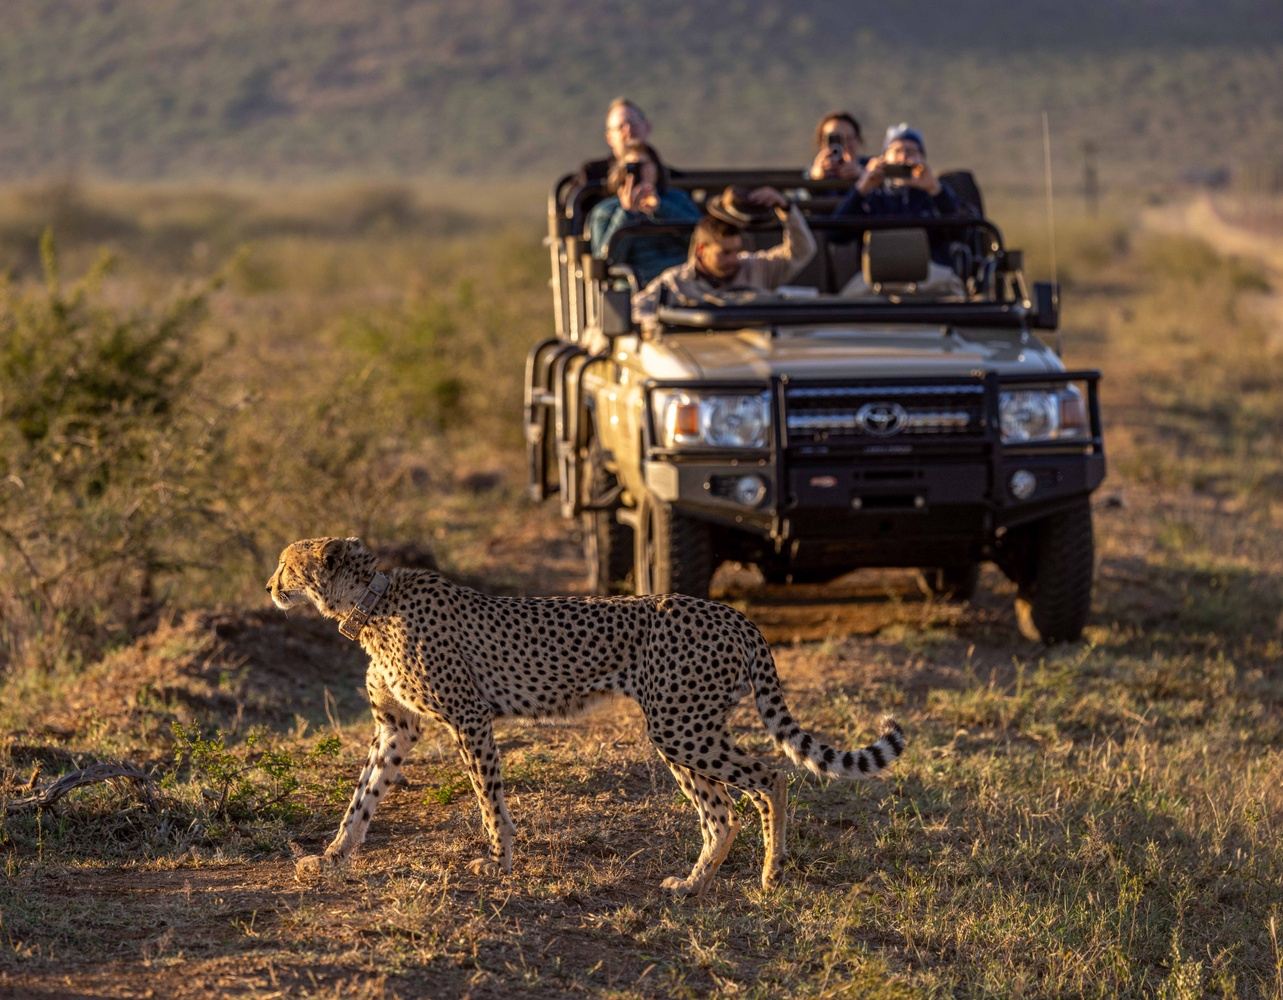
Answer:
(815, 272)
(580, 203)
(897, 262)
(844, 264)
(963, 184)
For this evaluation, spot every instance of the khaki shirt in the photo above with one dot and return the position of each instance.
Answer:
(759, 271)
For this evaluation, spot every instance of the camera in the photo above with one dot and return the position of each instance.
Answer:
(834, 141)
(634, 170)
(897, 171)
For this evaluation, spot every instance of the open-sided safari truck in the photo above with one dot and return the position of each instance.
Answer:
(811, 434)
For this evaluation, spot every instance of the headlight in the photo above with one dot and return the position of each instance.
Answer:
(712, 420)
(1028, 415)
(1042, 414)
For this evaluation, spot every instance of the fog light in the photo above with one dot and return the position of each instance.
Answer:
(1022, 484)
(749, 490)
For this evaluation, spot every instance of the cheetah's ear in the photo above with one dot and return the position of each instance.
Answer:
(331, 552)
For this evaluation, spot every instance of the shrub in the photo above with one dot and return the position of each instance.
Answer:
(258, 780)
(100, 443)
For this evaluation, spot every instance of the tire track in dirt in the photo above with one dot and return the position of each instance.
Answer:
(1200, 218)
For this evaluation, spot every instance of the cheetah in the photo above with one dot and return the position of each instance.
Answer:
(442, 652)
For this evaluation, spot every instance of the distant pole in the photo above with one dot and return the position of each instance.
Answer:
(1091, 180)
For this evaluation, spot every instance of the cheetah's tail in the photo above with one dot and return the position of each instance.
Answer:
(809, 751)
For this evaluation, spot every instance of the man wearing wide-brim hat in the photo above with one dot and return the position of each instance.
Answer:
(719, 270)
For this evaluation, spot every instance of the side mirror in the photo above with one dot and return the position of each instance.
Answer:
(1045, 305)
(616, 312)
(1011, 261)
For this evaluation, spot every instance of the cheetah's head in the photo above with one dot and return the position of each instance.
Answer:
(331, 573)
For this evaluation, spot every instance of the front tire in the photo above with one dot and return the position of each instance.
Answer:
(608, 545)
(1055, 596)
(608, 550)
(673, 553)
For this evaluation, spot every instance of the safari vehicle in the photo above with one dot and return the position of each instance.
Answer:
(811, 434)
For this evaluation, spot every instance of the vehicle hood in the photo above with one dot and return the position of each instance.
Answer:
(859, 352)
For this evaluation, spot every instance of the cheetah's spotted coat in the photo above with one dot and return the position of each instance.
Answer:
(442, 652)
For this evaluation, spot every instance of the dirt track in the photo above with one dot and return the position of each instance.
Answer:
(1201, 218)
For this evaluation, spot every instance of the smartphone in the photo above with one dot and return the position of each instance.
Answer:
(897, 171)
(834, 141)
(634, 170)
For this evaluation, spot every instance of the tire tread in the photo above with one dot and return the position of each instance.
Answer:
(1055, 605)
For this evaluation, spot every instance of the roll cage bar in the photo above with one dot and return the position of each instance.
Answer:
(579, 280)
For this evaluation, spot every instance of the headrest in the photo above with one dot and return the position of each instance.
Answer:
(896, 256)
(733, 206)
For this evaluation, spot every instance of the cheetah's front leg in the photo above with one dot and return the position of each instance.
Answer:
(475, 741)
(395, 737)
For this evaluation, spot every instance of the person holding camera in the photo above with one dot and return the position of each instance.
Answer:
(838, 144)
(719, 270)
(626, 125)
(639, 192)
(899, 182)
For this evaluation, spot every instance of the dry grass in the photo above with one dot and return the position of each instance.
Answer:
(1100, 820)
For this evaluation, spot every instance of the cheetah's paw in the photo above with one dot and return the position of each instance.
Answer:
(485, 867)
(682, 886)
(313, 866)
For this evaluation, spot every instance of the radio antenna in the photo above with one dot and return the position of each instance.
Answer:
(1051, 216)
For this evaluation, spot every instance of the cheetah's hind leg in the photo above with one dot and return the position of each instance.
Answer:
(767, 788)
(772, 806)
(718, 825)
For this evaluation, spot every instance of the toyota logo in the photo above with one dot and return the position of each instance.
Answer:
(882, 419)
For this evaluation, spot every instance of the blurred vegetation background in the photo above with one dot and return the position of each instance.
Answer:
(190, 378)
(145, 89)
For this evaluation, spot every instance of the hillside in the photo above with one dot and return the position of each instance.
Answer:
(192, 88)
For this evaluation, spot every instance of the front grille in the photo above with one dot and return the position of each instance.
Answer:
(864, 414)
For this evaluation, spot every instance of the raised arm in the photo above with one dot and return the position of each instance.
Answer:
(789, 256)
